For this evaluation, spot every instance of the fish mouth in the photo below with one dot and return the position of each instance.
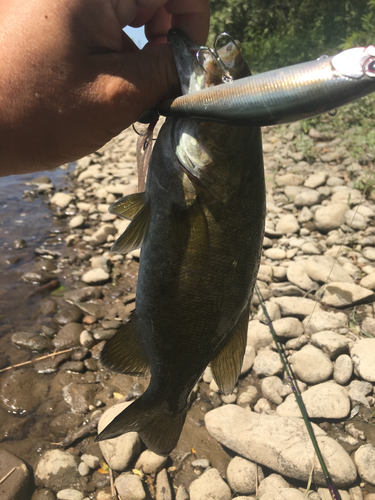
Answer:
(199, 67)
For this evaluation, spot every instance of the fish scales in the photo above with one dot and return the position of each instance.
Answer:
(205, 199)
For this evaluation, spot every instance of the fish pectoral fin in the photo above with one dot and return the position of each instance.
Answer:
(159, 429)
(226, 366)
(134, 235)
(124, 352)
(199, 236)
(129, 206)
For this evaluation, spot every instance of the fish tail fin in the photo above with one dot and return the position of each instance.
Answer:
(159, 429)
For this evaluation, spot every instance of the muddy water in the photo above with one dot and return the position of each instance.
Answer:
(24, 215)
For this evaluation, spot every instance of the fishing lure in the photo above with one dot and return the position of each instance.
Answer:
(280, 96)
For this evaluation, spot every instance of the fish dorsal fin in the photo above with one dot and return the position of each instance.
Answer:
(226, 366)
(134, 235)
(129, 206)
(124, 353)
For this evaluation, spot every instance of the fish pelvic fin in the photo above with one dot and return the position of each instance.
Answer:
(129, 206)
(159, 429)
(226, 365)
(124, 352)
(134, 235)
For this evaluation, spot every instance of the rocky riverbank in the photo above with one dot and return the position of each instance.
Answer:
(317, 278)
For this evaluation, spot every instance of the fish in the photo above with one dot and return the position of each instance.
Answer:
(200, 225)
(282, 95)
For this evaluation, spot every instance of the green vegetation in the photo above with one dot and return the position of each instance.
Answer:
(275, 33)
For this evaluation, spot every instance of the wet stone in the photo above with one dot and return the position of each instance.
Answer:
(68, 314)
(22, 391)
(68, 336)
(103, 334)
(96, 276)
(38, 278)
(17, 485)
(80, 396)
(62, 424)
(69, 494)
(57, 470)
(84, 294)
(29, 341)
(43, 494)
(48, 306)
(74, 366)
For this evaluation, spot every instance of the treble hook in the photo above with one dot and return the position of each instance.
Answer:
(215, 54)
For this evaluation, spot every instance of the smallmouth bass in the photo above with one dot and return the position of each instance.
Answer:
(200, 223)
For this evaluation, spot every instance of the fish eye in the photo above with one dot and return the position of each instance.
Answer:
(370, 67)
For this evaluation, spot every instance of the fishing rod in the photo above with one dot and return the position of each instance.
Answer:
(331, 487)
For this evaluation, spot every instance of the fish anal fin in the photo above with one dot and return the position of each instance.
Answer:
(124, 352)
(158, 429)
(134, 235)
(226, 366)
(128, 206)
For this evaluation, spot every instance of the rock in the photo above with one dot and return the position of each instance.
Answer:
(69, 494)
(323, 268)
(369, 253)
(271, 389)
(287, 224)
(284, 494)
(263, 406)
(30, 341)
(83, 294)
(56, 470)
(150, 463)
(267, 363)
(68, 314)
(333, 344)
(325, 494)
(68, 336)
(182, 494)
(209, 485)
(342, 369)
(275, 253)
(289, 180)
(288, 327)
(121, 451)
(242, 476)
(323, 320)
(22, 391)
(348, 196)
(100, 236)
(248, 359)
(316, 180)
(91, 460)
(80, 396)
(330, 217)
(364, 459)
(368, 281)
(271, 485)
(344, 295)
(327, 400)
(130, 487)
(17, 485)
(258, 335)
(308, 198)
(281, 444)
(61, 200)
(62, 424)
(311, 365)
(355, 220)
(163, 488)
(297, 274)
(298, 307)
(309, 248)
(43, 494)
(96, 276)
(77, 222)
(248, 396)
(83, 469)
(273, 311)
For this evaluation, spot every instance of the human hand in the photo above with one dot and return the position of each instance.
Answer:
(70, 79)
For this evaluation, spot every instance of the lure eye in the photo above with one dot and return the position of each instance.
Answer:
(370, 67)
